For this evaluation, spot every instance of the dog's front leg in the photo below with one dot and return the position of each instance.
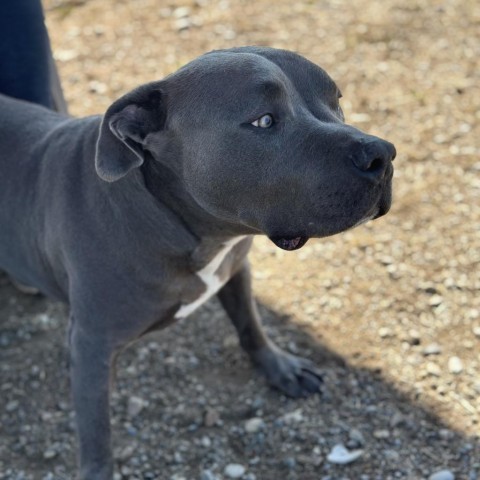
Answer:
(294, 376)
(91, 363)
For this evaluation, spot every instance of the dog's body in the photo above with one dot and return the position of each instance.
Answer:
(138, 218)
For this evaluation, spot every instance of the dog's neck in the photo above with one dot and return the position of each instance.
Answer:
(165, 185)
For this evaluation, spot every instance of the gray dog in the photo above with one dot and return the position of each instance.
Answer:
(137, 218)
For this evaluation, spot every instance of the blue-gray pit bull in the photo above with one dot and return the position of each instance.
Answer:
(136, 218)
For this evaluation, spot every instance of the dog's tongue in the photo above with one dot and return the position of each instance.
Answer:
(289, 243)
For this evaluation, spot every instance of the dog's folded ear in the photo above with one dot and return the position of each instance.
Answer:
(124, 128)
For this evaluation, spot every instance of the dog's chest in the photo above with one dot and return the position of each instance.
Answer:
(212, 277)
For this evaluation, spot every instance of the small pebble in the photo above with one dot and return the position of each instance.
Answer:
(49, 454)
(391, 455)
(127, 452)
(135, 406)
(341, 456)
(181, 12)
(11, 406)
(177, 458)
(183, 23)
(442, 475)
(414, 337)
(432, 349)
(433, 369)
(292, 417)
(385, 332)
(206, 442)
(381, 434)
(455, 365)
(254, 425)
(208, 475)
(397, 419)
(356, 436)
(234, 470)
(435, 300)
(211, 417)
(445, 434)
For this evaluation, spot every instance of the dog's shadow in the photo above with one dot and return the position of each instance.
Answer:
(183, 396)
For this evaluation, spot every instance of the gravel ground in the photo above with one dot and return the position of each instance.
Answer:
(390, 311)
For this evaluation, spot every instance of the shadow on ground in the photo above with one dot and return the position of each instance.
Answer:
(182, 398)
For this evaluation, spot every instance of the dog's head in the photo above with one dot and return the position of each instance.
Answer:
(257, 137)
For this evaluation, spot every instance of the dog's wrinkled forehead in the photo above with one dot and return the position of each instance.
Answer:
(242, 74)
(304, 74)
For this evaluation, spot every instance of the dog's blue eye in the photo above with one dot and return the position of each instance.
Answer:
(265, 121)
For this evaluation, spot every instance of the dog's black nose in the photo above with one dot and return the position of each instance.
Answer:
(374, 157)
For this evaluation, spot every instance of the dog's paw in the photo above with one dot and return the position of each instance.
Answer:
(294, 376)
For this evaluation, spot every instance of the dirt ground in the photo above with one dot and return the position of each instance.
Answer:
(390, 311)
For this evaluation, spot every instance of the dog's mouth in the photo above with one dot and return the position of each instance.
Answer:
(289, 243)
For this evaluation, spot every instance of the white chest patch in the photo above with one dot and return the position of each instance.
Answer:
(208, 276)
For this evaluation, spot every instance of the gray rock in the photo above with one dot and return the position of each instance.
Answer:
(397, 419)
(391, 455)
(211, 417)
(135, 406)
(11, 406)
(127, 452)
(177, 458)
(356, 436)
(208, 475)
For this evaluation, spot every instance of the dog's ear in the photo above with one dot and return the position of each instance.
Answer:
(124, 128)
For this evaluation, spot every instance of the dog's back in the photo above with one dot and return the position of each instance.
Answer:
(36, 158)
(25, 121)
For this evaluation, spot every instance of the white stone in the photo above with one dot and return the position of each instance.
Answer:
(206, 442)
(341, 456)
(49, 454)
(234, 470)
(455, 365)
(254, 425)
(432, 349)
(435, 300)
(442, 475)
